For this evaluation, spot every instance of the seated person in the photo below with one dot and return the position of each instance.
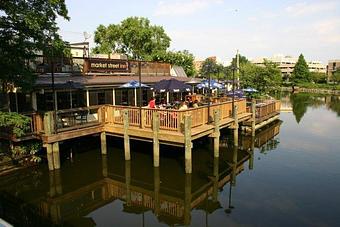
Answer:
(184, 106)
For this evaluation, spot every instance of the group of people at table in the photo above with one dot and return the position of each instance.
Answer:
(184, 105)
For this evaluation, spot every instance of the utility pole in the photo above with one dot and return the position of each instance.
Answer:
(238, 68)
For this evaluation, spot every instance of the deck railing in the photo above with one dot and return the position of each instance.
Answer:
(266, 108)
(78, 117)
(171, 120)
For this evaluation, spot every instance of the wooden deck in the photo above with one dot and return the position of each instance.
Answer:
(160, 126)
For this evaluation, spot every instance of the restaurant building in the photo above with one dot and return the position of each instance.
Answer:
(86, 81)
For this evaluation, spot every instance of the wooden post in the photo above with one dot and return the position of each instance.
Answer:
(126, 135)
(155, 123)
(217, 118)
(187, 199)
(48, 123)
(253, 122)
(56, 155)
(235, 126)
(49, 150)
(103, 142)
(157, 182)
(187, 143)
(104, 166)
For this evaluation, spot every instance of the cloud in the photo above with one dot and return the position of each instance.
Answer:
(328, 30)
(183, 7)
(303, 8)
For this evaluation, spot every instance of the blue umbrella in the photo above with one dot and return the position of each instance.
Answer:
(133, 84)
(250, 90)
(213, 84)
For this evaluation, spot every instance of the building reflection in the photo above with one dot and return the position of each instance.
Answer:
(168, 195)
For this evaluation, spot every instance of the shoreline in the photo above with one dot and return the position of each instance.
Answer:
(312, 90)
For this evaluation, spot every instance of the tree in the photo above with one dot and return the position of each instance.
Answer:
(301, 72)
(27, 27)
(242, 60)
(180, 58)
(336, 76)
(133, 36)
(210, 67)
(263, 78)
(318, 77)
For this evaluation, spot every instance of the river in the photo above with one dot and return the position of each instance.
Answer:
(288, 175)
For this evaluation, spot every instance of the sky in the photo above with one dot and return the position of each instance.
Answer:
(257, 28)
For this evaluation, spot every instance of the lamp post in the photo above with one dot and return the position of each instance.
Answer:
(53, 91)
(209, 95)
(233, 98)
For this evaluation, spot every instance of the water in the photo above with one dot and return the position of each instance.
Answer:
(291, 179)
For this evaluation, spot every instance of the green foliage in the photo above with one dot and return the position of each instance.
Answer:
(210, 67)
(26, 27)
(263, 78)
(336, 76)
(180, 58)
(301, 72)
(318, 77)
(133, 36)
(242, 59)
(14, 123)
(30, 148)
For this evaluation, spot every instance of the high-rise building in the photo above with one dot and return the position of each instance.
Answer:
(287, 63)
(332, 66)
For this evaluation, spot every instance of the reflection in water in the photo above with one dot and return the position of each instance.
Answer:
(72, 195)
(301, 101)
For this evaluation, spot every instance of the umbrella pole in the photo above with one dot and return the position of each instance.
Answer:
(71, 98)
(135, 97)
(167, 98)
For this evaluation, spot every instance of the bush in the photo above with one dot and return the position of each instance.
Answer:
(14, 123)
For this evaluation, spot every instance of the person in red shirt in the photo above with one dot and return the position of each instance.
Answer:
(152, 103)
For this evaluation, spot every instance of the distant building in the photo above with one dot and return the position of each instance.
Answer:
(198, 63)
(332, 66)
(287, 63)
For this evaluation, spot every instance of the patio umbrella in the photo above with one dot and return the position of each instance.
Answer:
(171, 85)
(238, 93)
(250, 90)
(133, 84)
(213, 84)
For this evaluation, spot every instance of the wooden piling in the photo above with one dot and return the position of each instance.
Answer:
(103, 143)
(187, 143)
(104, 166)
(155, 124)
(217, 119)
(56, 155)
(49, 151)
(253, 117)
(126, 135)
